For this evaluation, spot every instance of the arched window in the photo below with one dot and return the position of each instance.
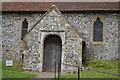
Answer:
(98, 31)
(24, 28)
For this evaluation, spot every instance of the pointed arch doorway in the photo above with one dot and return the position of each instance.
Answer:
(52, 53)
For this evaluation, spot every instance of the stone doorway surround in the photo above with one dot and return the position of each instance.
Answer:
(45, 34)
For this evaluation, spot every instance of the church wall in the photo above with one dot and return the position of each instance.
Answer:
(12, 45)
(11, 24)
(108, 50)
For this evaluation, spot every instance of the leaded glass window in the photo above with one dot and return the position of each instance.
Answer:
(24, 28)
(98, 31)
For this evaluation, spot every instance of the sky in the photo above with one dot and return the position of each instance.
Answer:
(59, 0)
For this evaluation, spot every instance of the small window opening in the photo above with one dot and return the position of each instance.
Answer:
(24, 28)
(98, 31)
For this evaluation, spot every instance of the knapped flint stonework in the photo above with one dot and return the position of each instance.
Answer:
(107, 50)
(11, 35)
(54, 24)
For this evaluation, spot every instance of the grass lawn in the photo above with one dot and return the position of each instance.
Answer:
(0, 74)
(15, 73)
(105, 66)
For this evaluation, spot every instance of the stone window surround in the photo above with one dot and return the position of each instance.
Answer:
(20, 27)
(104, 32)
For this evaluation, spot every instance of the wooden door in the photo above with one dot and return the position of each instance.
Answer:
(52, 53)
